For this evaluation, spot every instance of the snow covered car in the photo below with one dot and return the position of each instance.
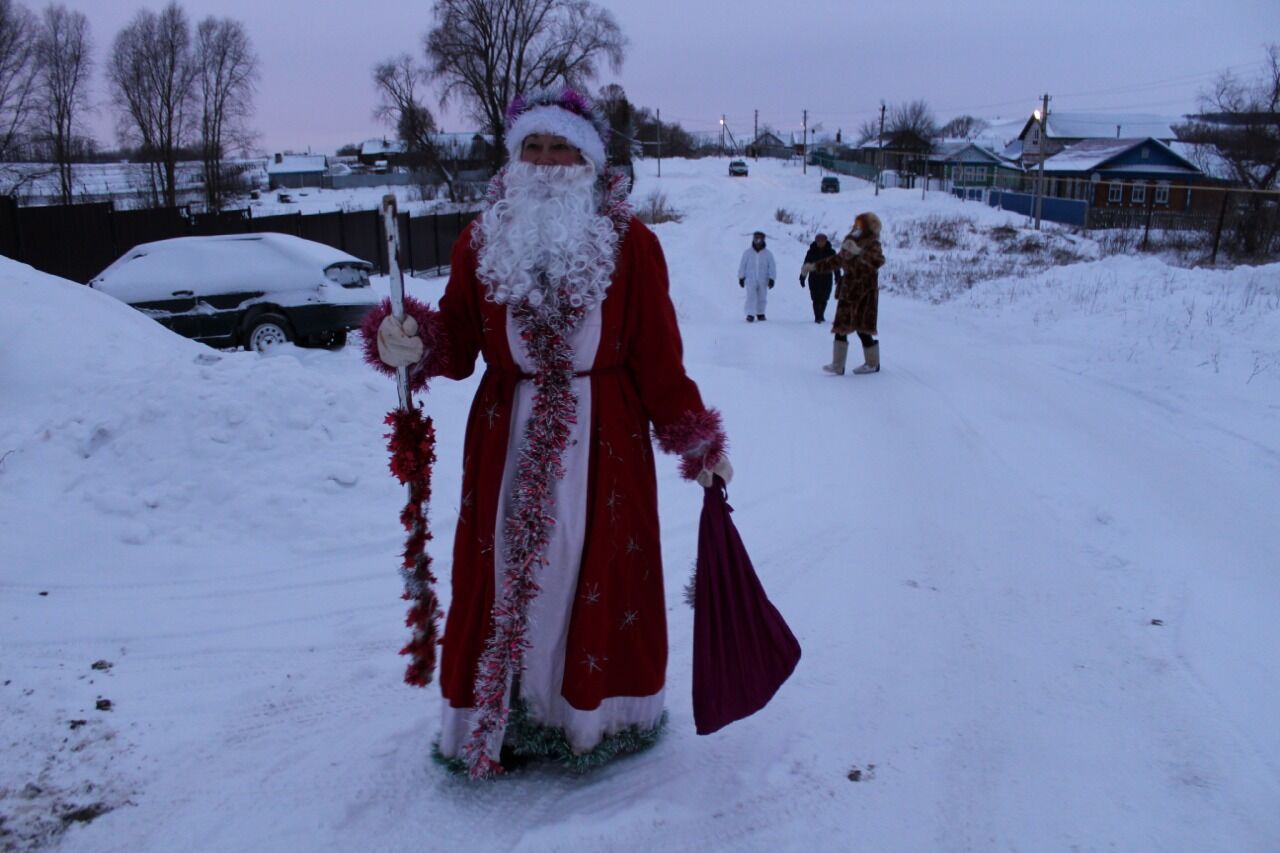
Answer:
(737, 168)
(250, 290)
(829, 184)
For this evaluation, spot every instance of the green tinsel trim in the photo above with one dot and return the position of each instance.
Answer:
(536, 740)
(455, 766)
(529, 739)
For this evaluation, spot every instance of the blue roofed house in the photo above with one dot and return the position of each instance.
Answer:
(1134, 173)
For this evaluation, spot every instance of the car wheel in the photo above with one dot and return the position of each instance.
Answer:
(266, 331)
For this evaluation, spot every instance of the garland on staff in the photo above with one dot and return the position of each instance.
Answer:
(412, 443)
(546, 336)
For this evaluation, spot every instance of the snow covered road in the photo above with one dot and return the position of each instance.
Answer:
(1034, 566)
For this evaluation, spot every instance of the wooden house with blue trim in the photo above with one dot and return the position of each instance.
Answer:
(1124, 173)
(966, 165)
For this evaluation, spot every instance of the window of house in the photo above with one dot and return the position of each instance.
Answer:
(1138, 195)
(1162, 192)
(980, 172)
(968, 173)
(1115, 192)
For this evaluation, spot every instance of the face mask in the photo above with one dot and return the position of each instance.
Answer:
(856, 233)
(759, 244)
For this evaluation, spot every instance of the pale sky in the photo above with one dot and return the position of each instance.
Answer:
(697, 60)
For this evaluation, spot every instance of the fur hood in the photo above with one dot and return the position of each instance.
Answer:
(871, 222)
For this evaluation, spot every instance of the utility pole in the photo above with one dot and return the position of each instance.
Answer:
(755, 136)
(1044, 130)
(804, 146)
(659, 143)
(880, 150)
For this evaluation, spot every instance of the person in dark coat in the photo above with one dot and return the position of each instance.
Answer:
(857, 299)
(819, 282)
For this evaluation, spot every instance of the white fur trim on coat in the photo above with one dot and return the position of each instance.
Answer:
(557, 121)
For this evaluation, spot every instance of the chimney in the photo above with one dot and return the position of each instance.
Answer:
(279, 158)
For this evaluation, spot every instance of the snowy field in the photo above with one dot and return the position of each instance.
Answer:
(1034, 565)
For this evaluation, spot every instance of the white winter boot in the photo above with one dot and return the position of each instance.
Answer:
(872, 356)
(839, 355)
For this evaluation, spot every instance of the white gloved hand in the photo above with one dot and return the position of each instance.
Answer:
(722, 469)
(849, 248)
(398, 343)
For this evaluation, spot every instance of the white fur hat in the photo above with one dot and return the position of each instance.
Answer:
(565, 113)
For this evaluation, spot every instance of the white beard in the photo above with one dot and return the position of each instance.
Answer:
(544, 237)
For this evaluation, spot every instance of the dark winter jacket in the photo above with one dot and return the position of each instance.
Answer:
(816, 254)
(858, 294)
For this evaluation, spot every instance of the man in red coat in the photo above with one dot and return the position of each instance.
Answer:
(555, 642)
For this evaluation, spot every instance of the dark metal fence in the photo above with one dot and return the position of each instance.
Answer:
(1064, 210)
(78, 241)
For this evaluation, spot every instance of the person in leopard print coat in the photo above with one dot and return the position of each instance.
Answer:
(858, 294)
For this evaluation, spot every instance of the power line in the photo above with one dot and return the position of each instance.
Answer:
(1167, 81)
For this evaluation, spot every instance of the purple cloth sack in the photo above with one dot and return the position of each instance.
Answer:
(742, 648)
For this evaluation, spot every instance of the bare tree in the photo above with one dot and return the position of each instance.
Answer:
(227, 69)
(62, 58)
(912, 117)
(1241, 119)
(1239, 128)
(485, 52)
(964, 127)
(867, 131)
(668, 138)
(152, 75)
(620, 115)
(18, 29)
(399, 105)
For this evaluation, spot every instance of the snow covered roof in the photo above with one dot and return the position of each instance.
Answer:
(1069, 125)
(1000, 133)
(957, 149)
(379, 147)
(1088, 155)
(291, 164)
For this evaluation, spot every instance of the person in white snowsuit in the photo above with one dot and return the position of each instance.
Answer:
(756, 272)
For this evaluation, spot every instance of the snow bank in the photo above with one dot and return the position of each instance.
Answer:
(60, 336)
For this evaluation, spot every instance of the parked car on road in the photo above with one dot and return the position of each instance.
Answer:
(737, 168)
(250, 290)
(830, 184)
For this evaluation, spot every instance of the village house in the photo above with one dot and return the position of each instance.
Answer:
(905, 152)
(968, 165)
(1066, 129)
(1125, 173)
(294, 171)
(770, 144)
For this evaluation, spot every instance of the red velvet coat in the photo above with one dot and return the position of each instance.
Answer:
(638, 381)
